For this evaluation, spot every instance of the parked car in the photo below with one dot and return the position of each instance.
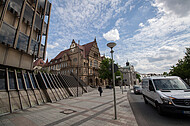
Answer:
(137, 89)
(167, 94)
(109, 86)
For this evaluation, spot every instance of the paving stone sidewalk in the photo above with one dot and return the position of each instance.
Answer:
(87, 110)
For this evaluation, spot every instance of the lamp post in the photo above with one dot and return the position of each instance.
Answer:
(78, 69)
(111, 45)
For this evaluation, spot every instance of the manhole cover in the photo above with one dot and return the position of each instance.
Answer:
(68, 111)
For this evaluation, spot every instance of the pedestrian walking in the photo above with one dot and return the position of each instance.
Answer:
(100, 90)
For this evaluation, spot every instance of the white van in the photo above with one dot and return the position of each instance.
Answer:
(167, 94)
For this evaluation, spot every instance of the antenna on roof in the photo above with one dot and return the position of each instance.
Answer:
(95, 39)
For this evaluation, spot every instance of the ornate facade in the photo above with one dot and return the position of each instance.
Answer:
(82, 60)
(129, 74)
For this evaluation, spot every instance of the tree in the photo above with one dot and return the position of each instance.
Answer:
(182, 68)
(105, 73)
(138, 76)
(165, 74)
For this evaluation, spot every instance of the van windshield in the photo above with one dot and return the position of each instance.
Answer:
(170, 84)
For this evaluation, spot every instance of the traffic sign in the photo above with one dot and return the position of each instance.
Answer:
(115, 68)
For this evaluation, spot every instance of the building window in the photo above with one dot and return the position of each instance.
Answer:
(75, 60)
(95, 55)
(56, 61)
(12, 83)
(91, 63)
(95, 63)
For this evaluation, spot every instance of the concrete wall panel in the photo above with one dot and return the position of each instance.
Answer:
(44, 96)
(39, 98)
(13, 58)
(55, 94)
(15, 102)
(4, 103)
(24, 99)
(26, 61)
(2, 53)
(32, 98)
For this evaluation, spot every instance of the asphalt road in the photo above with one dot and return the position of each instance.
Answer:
(146, 114)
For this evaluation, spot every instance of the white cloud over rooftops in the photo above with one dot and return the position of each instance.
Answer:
(112, 35)
(53, 46)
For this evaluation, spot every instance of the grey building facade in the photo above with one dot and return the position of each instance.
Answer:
(129, 74)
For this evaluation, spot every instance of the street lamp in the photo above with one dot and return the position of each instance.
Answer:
(111, 45)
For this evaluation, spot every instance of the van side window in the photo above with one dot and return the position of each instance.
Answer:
(144, 84)
(151, 88)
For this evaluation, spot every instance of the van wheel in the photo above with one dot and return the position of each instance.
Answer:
(159, 109)
(145, 101)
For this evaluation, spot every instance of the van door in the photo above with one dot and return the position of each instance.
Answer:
(144, 86)
(151, 92)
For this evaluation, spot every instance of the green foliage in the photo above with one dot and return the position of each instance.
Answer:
(118, 73)
(182, 68)
(104, 72)
(138, 76)
(165, 74)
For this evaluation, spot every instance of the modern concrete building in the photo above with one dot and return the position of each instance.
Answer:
(82, 60)
(129, 74)
(24, 28)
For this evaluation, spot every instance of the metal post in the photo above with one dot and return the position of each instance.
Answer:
(78, 71)
(122, 85)
(113, 84)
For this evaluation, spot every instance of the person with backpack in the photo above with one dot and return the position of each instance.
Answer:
(100, 90)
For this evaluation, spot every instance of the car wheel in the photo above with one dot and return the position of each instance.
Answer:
(145, 101)
(159, 109)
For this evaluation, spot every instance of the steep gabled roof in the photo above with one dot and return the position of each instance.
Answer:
(85, 50)
(87, 47)
(61, 54)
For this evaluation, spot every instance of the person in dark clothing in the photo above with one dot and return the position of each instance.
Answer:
(100, 90)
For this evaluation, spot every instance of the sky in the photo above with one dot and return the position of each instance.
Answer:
(151, 34)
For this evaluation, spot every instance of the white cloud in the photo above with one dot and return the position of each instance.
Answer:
(53, 46)
(112, 35)
(141, 25)
(159, 44)
(131, 7)
(119, 22)
(178, 7)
